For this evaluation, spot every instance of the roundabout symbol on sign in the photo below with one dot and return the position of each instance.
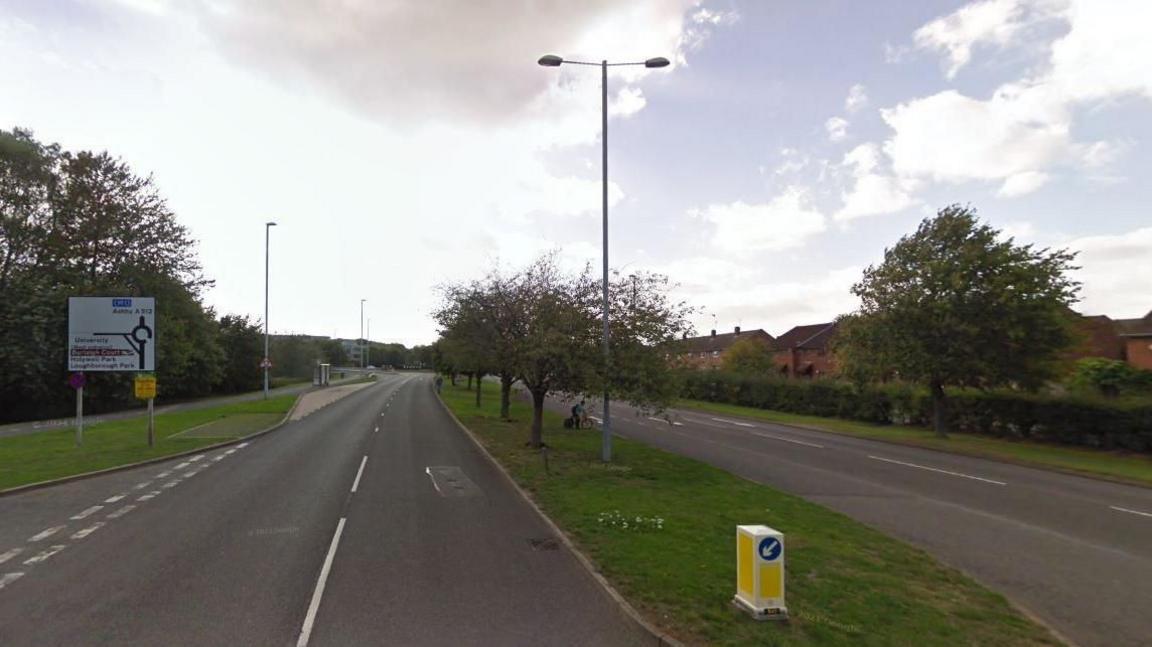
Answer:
(770, 548)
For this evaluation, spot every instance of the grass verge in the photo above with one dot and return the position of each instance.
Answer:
(847, 584)
(1127, 467)
(53, 454)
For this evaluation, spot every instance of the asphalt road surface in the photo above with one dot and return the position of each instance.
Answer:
(372, 521)
(1075, 552)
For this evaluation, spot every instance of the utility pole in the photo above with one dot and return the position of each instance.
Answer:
(267, 228)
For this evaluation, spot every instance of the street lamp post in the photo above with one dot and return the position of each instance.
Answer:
(555, 61)
(267, 228)
(362, 333)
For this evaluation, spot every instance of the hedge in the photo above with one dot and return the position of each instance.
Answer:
(1069, 420)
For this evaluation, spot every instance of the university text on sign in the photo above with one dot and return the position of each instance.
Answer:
(111, 334)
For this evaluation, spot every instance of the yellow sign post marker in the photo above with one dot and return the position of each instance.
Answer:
(145, 386)
(760, 572)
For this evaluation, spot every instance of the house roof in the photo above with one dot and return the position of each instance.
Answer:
(721, 341)
(812, 336)
(1135, 327)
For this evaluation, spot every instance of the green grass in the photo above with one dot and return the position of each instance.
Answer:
(53, 454)
(846, 583)
(1132, 468)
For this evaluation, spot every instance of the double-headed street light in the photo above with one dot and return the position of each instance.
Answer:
(555, 61)
(266, 364)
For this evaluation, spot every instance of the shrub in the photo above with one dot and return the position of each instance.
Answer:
(1073, 420)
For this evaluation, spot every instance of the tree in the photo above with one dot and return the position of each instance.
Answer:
(242, 342)
(751, 356)
(957, 305)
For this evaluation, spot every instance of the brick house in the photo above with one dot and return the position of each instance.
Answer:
(1136, 334)
(708, 351)
(804, 351)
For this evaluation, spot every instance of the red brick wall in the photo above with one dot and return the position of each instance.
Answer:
(1140, 352)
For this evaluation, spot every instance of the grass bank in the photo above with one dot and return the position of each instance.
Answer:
(847, 584)
(53, 454)
(1130, 468)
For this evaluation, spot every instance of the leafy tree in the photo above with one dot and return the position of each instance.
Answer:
(749, 356)
(957, 305)
(242, 342)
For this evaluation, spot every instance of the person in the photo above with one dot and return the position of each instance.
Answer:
(578, 414)
(582, 415)
(439, 382)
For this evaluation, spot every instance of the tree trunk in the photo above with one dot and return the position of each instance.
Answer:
(939, 410)
(479, 389)
(453, 376)
(469, 381)
(505, 396)
(537, 418)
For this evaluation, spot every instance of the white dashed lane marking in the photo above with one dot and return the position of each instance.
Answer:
(163, 475)
(10, 554)
(141, 486)
(8, 578)
(734, 422)
(242, 445)
(170, 484)
(36, 559)
(1119, 509)
(80, 534)
(44, 534)
(114, 499)
(359, 473)
(940, 471)
(787, 440)
(151, 495)
(196, 458)
(121, 512)
(88, 512)
(182, 465)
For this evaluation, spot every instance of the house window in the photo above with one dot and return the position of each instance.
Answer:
(715, 353)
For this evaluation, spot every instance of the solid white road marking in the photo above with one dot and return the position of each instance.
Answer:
(787, 440)
(44, 534)
(114, 499)
(359, 472)
(10, 554)
(933, 469)
(734, 422)
(80, 534)
(44, 555)
(87, 513)
(121, 512)
(1114, 507)
(9, 578)
(314, 606)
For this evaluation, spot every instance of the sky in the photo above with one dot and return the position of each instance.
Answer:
(402, 145)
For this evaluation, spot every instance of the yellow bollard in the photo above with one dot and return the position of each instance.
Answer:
(760, 572)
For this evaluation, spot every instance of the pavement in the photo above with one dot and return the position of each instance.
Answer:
(374, 520)
(1074, 552)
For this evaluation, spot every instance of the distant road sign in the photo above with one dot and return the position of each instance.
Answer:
(111, 334)
(76, 380)
(770, 549)
(145, 387)
(265, 363)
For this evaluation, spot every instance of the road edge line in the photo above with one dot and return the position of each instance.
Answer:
(149, 461)
(662, 639)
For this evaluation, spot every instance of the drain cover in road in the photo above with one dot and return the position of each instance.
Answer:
(450, 481)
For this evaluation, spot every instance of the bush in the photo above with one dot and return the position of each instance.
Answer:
(1084, 421)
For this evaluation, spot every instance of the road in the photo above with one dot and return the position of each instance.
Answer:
(372, 521)
(1075, 552)
(34, 426)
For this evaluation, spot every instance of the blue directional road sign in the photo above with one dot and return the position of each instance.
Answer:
(770, 548)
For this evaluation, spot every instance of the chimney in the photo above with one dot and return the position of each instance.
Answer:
(737, 330)
(713, 332)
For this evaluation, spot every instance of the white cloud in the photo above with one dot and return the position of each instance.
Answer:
(873, 191)
(837, 128)
(1115, 271)
(1022, 231)
(1022, 184)
(784, 222)
(705, 16)
(857, 98)
(990, 21)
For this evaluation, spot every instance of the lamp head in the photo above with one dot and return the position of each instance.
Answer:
(659, 61)
(550, 60)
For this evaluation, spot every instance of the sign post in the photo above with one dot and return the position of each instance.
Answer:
(76, 381)
(145, 387)
(110, 334)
